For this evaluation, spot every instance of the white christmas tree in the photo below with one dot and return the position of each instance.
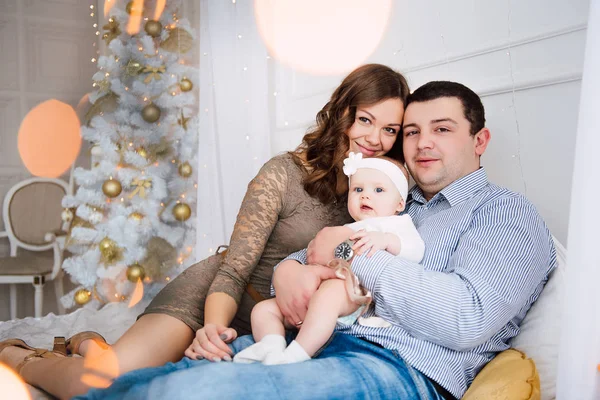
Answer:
(130, 218)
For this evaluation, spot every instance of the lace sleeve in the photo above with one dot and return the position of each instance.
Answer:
(256, 219)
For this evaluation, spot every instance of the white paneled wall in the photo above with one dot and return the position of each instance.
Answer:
(524, 58)
(46, 49)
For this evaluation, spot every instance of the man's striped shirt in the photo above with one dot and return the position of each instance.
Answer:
(487, 257)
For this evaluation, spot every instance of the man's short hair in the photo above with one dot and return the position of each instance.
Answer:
(472, 106)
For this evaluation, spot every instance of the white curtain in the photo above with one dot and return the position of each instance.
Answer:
(234, 118)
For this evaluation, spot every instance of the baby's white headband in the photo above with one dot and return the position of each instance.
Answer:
(355, 161)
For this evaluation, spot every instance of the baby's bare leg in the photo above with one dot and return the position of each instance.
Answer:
(268, 331)
(329, 302)
(266, 318)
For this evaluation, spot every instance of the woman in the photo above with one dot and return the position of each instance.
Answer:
(293, 196)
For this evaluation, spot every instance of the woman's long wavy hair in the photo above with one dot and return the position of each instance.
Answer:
(325, 145)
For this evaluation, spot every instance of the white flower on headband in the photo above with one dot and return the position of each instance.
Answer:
(351, 163)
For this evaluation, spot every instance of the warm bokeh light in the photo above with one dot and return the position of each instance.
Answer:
(100, 366)
(135, 17)
(12, 385)
(160, 7)
(137, 294)
(108, 4)
(49, 139)
(82, 107)
(322, 37)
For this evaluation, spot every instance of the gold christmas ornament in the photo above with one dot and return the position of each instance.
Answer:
(186, 85)
(182, 212)
(109, 250)
(67, 215)
(140, 187)
(131, 10)
(136, 216)
(105, 104)
(151, 113)
(112, 30)
(183, 121)
(153, 28)
(135, 272)
(179, 41)
(82, 296)
(142, 152)
(111, 188)
(185, 170)
(133, 68)
(153, 72)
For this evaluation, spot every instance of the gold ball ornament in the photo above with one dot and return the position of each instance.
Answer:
(142, 152)
(133, 68)
(106, 245)
(153, 28)
(67, 215)
(136, 216)
(132, 10)
(135, 272)
(151, 113)
(111, 188)
(186, 85)
(82, 296)
(185, 170)
(182, 212)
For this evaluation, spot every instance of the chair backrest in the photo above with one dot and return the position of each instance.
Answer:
(31, 209)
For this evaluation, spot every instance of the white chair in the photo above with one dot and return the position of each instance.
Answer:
(32, 222)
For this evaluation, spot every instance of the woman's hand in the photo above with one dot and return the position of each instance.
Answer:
(211, 343)
(369, 242)
(294, 284)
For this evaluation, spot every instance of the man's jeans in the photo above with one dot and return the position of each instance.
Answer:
(347, 368)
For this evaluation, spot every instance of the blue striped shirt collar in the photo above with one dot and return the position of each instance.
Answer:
(457, 192)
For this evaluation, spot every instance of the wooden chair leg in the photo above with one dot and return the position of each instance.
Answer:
(39, 296)
(13, 301)
(59, 291)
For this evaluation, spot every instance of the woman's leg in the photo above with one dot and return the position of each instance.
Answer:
(161, 335)
(152, 341)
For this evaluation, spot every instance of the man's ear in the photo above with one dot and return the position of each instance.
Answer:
(482, 139)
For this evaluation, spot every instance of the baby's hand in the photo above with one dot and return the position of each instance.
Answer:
(369, 241)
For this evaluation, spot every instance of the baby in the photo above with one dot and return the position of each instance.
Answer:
(377, 191)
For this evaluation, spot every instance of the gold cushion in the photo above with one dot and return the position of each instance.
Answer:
(509, 376)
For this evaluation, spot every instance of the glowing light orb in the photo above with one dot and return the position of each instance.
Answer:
(12, 385)
(49, 139)
(322, 37)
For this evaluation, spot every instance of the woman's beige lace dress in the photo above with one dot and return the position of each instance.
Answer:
(277, 217)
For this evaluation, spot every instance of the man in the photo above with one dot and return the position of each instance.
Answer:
(488, 255)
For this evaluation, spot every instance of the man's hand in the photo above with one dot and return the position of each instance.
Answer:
(321, 248)
(294, 284)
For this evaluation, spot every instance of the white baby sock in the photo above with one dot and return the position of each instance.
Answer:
(259, 351)
(292, 354)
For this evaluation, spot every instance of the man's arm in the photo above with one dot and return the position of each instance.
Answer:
(497, 265)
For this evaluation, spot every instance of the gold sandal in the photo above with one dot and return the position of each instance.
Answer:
(71, 345)
(37, 353)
